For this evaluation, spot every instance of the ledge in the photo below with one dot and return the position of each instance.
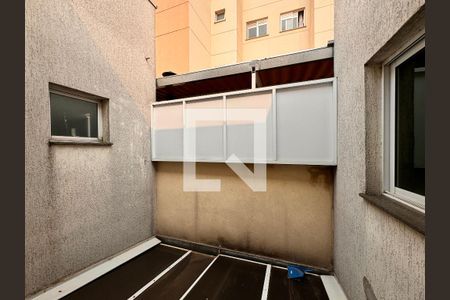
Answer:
(403, 212)
(75, 143)
(292, 29)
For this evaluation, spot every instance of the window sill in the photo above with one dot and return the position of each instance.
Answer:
(403, 212)
(289, 30)
(219, 21)
(256, 37)
(78, 142)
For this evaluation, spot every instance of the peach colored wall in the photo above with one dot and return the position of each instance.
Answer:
(199, 35)
(323, 22)
(224, 35)
(211, 44)
(172, 36)
(292, 220)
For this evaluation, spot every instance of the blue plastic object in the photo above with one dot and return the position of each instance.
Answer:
(296, 271)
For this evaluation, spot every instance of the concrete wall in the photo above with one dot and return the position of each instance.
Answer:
(367, 241)
(85, 203)
(292, 220)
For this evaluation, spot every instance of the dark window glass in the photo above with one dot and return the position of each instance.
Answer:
(262, 30)
(73, 117)
(410, 124)
(220, 15)
(252, 32)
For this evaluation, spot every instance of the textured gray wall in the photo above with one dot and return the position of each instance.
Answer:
(367, 241)
(85, 203)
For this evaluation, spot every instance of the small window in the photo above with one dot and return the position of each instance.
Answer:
(405, 120)
(257, 28)
(75, 117)
(220, 15)
(292, 20)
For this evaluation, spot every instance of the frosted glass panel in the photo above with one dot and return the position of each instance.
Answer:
(209, 131)
(168, 131)
(306, 124)
(240, 133)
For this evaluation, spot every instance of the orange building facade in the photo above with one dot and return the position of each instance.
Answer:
(192, 35)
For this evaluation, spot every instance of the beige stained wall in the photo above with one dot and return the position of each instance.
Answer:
(292, 220)
(188, 38)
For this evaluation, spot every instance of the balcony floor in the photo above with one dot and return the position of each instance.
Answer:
(167, 272)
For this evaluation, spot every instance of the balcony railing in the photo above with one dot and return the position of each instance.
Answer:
(298, 125)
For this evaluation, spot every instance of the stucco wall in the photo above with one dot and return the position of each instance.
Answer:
(292, 220)
(367, 241)
(85, 203)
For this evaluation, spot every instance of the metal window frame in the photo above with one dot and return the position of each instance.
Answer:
(99, 118)
(388, 123)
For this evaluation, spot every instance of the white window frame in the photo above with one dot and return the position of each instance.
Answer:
(219, 12)
(257, 23)
(99, 119)
(416, 200)
(292, 15)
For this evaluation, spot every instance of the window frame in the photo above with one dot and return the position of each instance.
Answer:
(257, 24)
(99, 103)
(218, 12)
(287, 18)
(389, 121)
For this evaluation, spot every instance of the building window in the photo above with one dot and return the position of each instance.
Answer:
(405, 125)
(257, 28)
(220, 15)
(292, 20)
(75, 117)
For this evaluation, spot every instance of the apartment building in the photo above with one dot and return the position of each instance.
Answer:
(194, 34)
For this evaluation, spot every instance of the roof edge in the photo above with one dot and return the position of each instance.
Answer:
(260, 64)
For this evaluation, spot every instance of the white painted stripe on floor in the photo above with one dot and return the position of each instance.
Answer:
(198, 278)
(265, 291)
(333, 288)
(175, 247)
(94, 272)
(135, 295)
(243, 259)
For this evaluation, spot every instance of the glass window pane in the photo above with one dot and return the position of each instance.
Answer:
(300, 19)
(289, 24)
(73, 117)
(251, 32)
(220, 16)
(262, 30)
(410, 124)
(283, 25)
